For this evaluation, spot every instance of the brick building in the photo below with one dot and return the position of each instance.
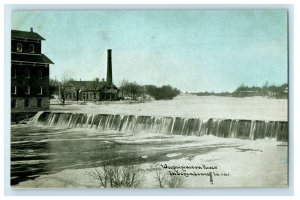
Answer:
(92, 91)
(29, 73)
(95, 90)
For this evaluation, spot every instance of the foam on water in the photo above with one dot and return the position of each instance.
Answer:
(134, 124)
(69, 164)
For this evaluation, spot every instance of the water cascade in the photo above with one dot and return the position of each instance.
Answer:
(227, 128)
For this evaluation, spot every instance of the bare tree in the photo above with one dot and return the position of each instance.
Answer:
(175, 181)
(114, 175)
(165, 180)
(161, 178)
(53, 86)
(64, 85)
(131, 89)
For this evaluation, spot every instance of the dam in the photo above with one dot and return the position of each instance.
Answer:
(57, 146)
(226, 128)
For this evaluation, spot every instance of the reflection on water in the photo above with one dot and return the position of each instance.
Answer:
(37, 150)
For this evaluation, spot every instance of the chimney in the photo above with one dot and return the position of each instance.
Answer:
(109, 67)
(31, 29)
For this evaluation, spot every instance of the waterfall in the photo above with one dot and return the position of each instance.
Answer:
(226, 128)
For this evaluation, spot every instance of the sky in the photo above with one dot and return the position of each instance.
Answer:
(192, 50)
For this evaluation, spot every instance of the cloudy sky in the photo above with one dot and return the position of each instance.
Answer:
(199, 50)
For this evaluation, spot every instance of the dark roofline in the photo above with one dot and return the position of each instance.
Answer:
(80, 84)
(26, 35)
(30, 58)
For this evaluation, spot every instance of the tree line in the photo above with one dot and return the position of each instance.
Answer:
(135, 91)
(271, 91)
(266, 90)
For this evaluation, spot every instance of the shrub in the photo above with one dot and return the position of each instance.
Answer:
(114, 174)
(165, 180)
(131, 89)
(164, 92)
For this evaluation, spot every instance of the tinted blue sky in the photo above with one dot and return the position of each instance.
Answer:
(204, 50)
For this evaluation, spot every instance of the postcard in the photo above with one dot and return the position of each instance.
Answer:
(149, 98)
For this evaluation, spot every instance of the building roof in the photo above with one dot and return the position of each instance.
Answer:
(31, 58)
(26, 35)
(92, 85)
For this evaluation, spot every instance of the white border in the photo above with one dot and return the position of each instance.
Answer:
(186, 192)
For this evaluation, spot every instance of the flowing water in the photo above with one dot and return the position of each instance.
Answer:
(227, 128)
(52, 142)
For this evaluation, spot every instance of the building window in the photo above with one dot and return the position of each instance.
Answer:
(19, 47)
(27, 73)
(40, 74)
(41, 90)
(39, 102)
(28, 89)
(13, 103)
(14, 89)
(26, 103)
(31, 48)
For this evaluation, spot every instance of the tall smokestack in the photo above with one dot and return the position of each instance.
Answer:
(109, 67)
